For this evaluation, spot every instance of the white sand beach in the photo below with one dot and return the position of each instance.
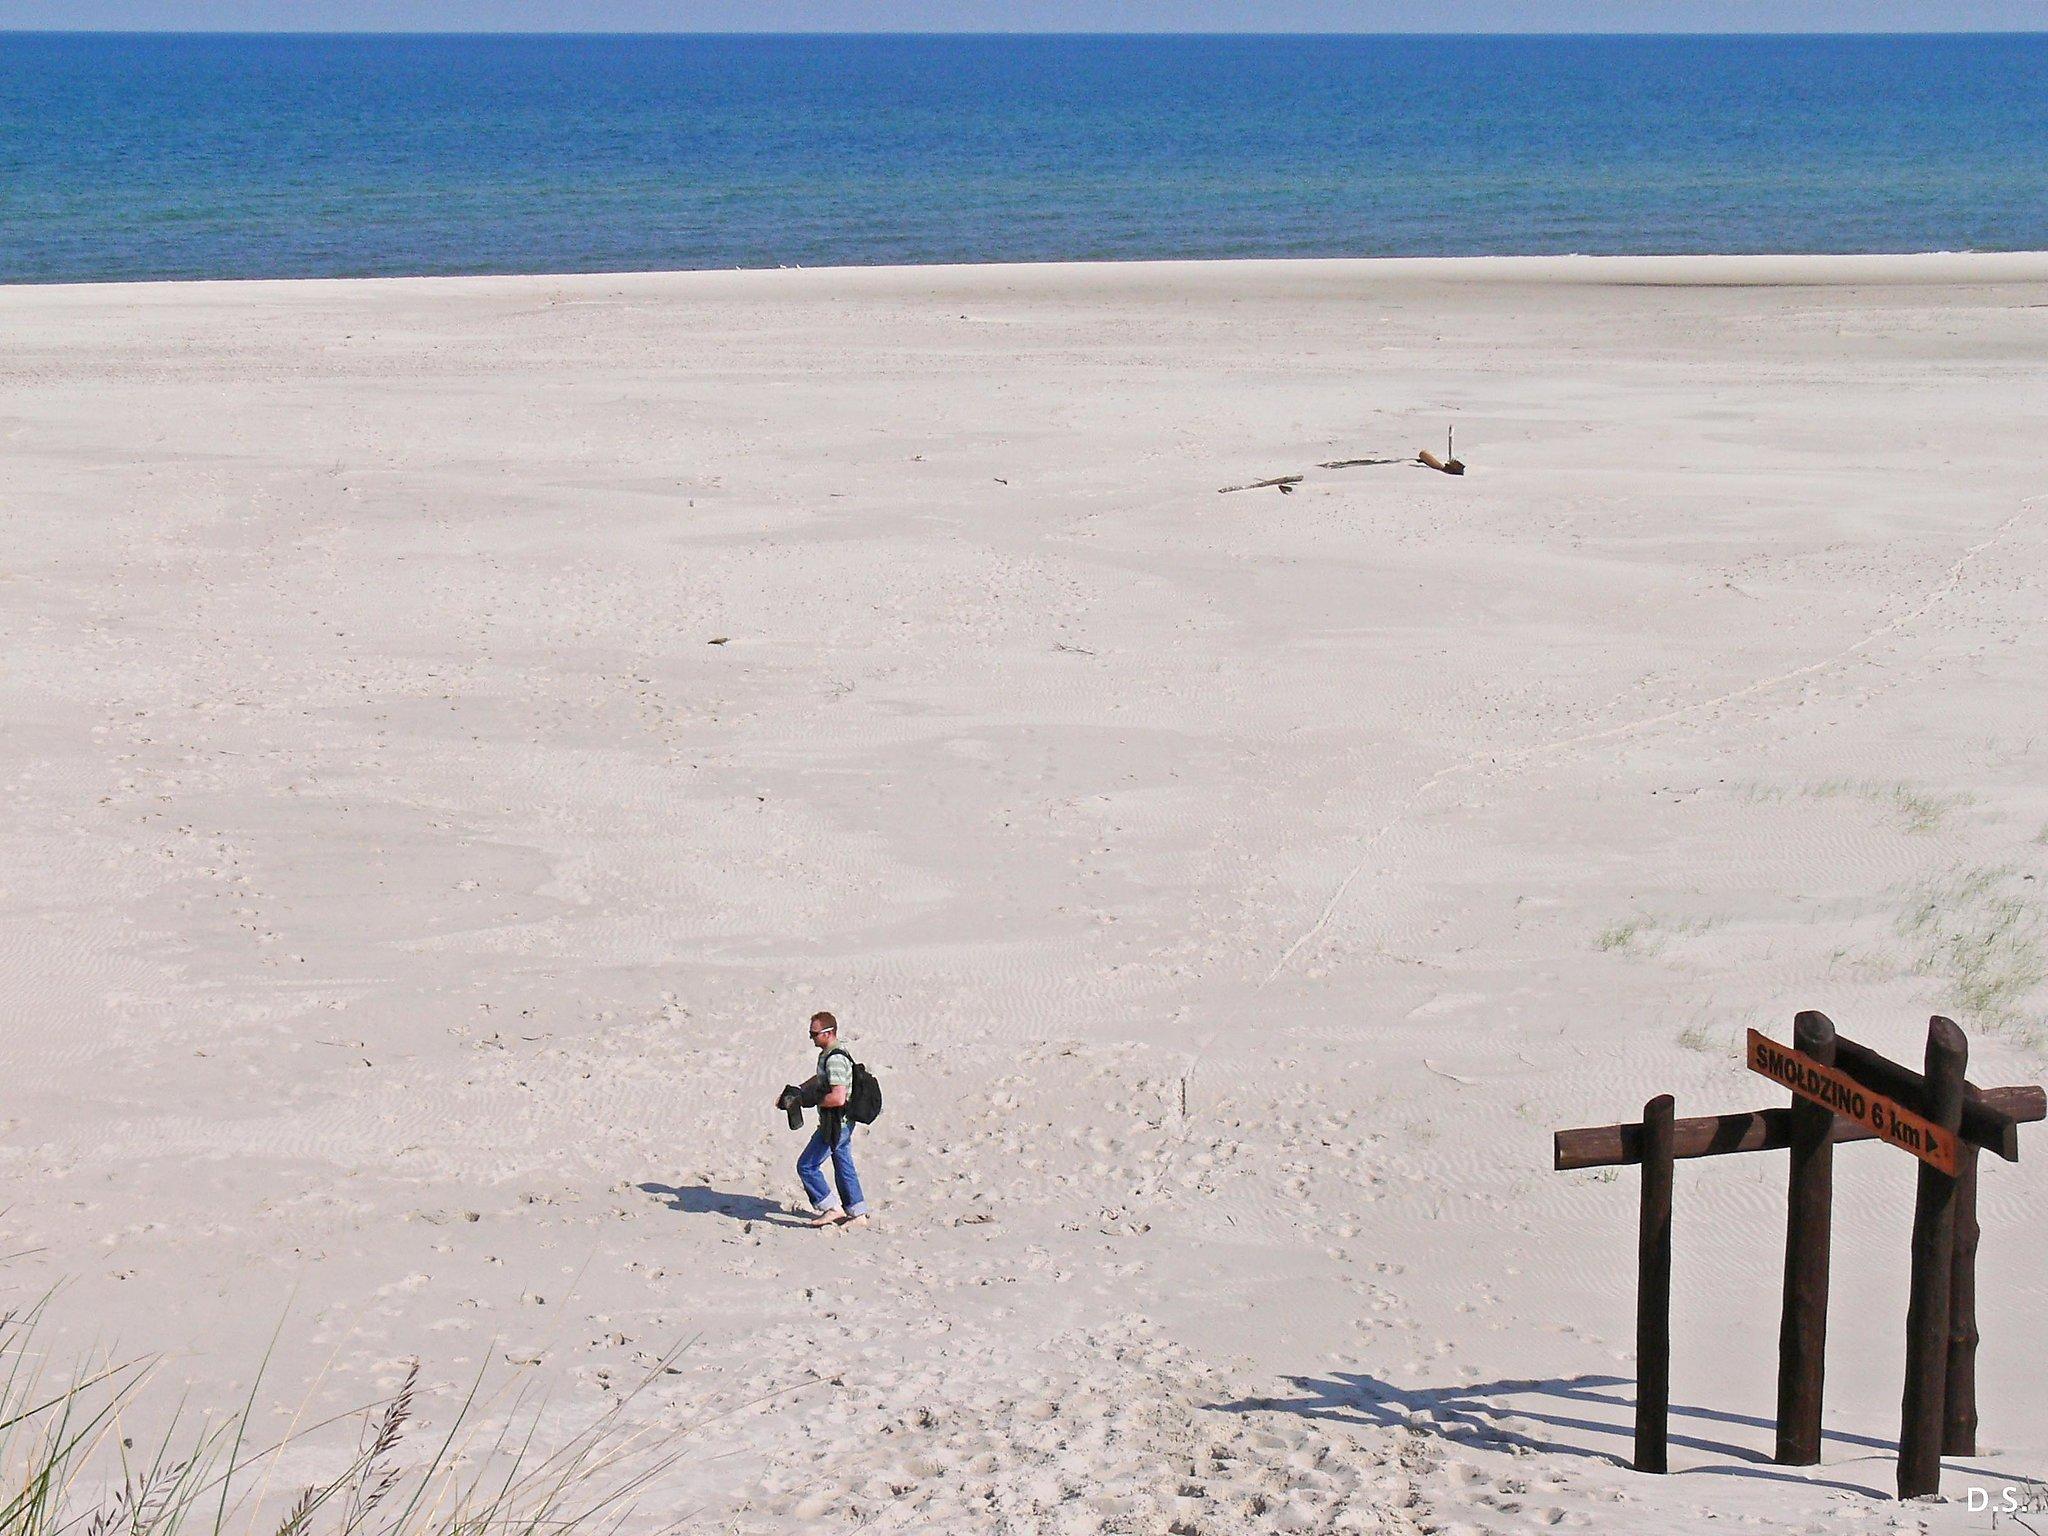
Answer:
(457, 730)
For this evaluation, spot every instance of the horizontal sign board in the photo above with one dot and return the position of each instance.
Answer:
(1888, 1120)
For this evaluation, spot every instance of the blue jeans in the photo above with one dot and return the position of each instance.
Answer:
(811, 1169)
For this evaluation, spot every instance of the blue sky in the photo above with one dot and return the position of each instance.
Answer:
(1034, 15)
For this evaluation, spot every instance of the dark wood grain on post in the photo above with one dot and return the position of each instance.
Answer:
(1756, 1130)
(1927, 1313)
(1653, 1291)
(1983, 1122)
(1803, 1319)
(1959, 1398)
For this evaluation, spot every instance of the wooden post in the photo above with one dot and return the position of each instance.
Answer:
(1803, 1321)
(1959, 1399)
(1927, 1313)
(1653, 1290)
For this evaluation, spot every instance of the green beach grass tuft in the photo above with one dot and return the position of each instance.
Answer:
(1917, 810)
(1646, 933)
(1702, 1037)
(1627, 937)
(67, 1468)
(1986, 940)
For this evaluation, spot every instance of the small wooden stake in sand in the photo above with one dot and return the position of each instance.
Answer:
(1284, 484)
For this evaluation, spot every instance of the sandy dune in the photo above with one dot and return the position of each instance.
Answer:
(410, 910)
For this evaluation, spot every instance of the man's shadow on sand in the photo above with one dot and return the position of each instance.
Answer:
(1570, 1409)
(703, 1200)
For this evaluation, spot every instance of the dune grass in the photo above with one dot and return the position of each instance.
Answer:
(1646, 933)
(69, 1468)
(1628, 936)
(1914, 808)
(1917, 810)
(1702, 1037)
(1985, 938)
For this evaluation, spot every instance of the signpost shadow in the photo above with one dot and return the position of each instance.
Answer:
(1485, 1415)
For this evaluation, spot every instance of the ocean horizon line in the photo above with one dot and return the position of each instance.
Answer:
(1162, 33)
(1824, 269)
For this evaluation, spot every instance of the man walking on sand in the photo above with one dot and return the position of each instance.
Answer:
(838, 1201)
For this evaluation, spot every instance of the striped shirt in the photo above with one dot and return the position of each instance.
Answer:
(835, 1068)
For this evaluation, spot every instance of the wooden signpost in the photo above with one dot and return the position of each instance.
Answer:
(1836, 1091)
(1841, 1092)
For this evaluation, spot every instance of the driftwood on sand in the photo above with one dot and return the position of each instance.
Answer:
(1450, 463)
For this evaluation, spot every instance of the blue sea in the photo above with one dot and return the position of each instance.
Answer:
(247, 156)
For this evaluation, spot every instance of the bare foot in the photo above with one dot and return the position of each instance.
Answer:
(857, 1221)
(827, 1219)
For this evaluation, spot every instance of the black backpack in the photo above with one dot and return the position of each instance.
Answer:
(864, 1099)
